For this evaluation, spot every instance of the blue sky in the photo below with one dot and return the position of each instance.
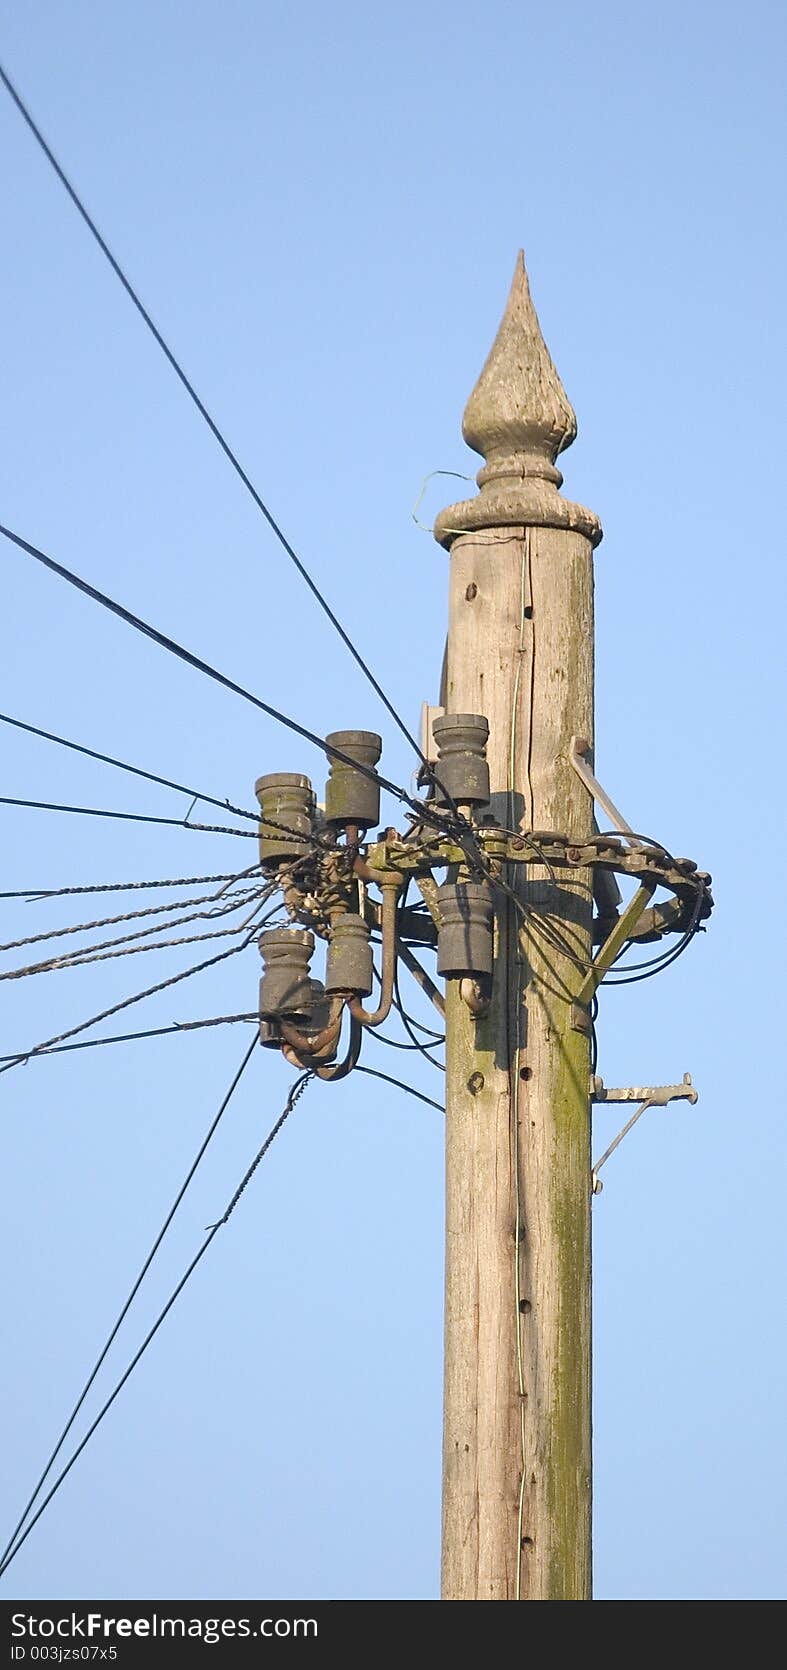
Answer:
(322, 210)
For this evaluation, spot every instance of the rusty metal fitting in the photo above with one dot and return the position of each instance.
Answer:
(390, 889)
(476, 995)
(318, 1038)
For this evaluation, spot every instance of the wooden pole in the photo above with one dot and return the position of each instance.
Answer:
(517, 1422)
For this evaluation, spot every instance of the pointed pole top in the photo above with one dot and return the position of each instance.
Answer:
(519, 419)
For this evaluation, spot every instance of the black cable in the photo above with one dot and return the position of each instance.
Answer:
(205, 414)
(594, 1007)
(135, 770)
(655, 964)
(128, 817)
(411, 1023)
(174, 648)
(658, 964)
(429, 1031)
(373, 1073)
(134, 1037)
(295, 1091)
(630, 835)
(35, 893)
(406, 1024)
(394, 1043)
(132, 1295)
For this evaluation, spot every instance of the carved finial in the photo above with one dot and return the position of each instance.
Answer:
(518, 412)
(519, 418)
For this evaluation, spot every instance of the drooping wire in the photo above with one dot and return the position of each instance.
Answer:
(428, 1031)
(212, 425)
(213, 1127)
(405, 1019)
(296, 1091)
(656, 964)
(400, 1084)
(392, 1043)
(134, 770)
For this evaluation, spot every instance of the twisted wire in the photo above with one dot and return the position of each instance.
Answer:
(114, 921)
(136, 1037)
(127, 1002)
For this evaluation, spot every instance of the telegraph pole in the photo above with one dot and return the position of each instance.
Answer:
(517, 1421)
(509, 820)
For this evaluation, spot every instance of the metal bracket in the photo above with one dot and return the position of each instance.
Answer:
(653, 1096)
(577, 757)
(611, 948)
(658, 1095)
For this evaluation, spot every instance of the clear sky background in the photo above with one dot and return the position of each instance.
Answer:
(322, 207)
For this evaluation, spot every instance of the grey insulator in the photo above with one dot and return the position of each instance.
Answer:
(285, 987)
(349, 965)
(287, 799)
(350, 796)
(465, 942)
(461, 766)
